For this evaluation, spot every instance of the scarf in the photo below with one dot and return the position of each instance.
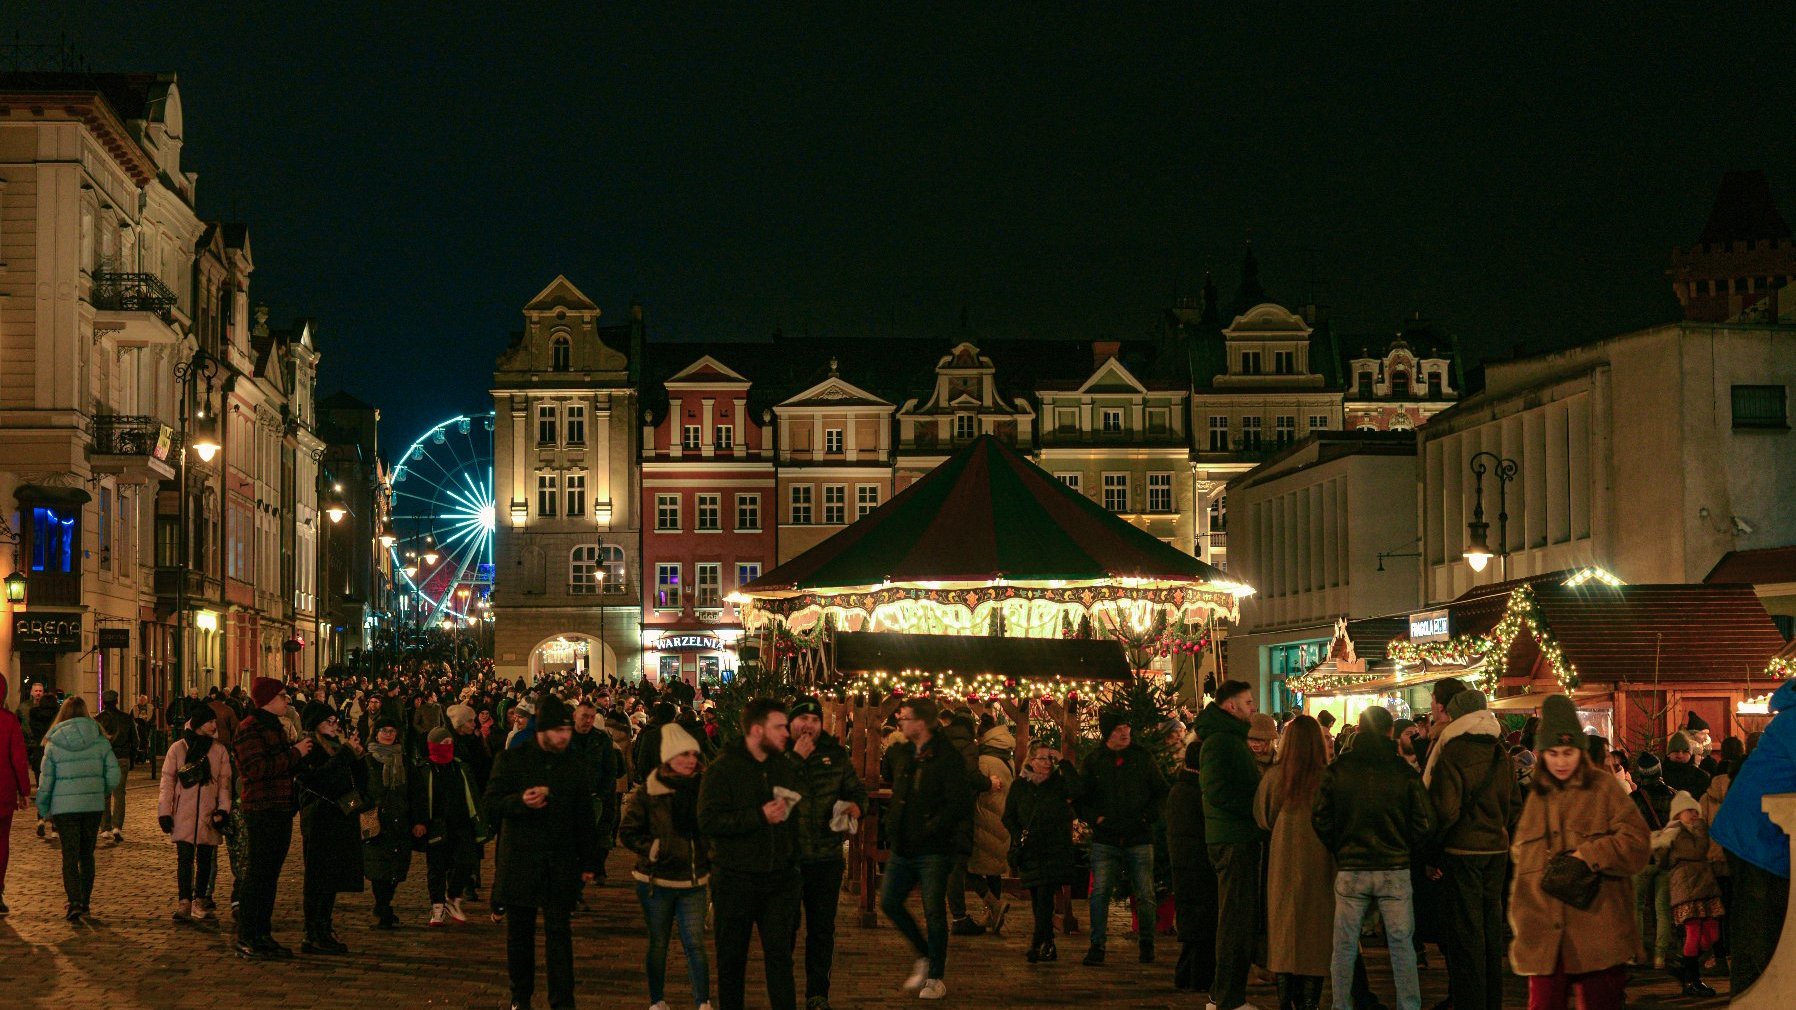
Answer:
(1482, 722)
(392, 763)
(198, 744)
(685, 800)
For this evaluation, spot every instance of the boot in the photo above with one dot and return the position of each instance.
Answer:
(1285, 999)
(1311, 988)
(1049, 952)
(996, 909)
(1033, 954)
(1147, 948)
(965, 926)
(1693, 984)
(183, 911)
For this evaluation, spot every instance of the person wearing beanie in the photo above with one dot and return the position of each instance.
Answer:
(1696, 900)
(1681, 772)
(1038, 815)
(461, 718)
(1262, 739)
(1696, 728)
(1193, 878)
(387, 856)
(1230, 779)
(266, 762)
(330, 838)
(193, 802)
(673, 867)
(1121, 790)
(442, 802)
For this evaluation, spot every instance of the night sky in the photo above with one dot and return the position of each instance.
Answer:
(411, 178)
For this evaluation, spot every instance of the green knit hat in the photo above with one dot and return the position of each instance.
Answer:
(1559, 726)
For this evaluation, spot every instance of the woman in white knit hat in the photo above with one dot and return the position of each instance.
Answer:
(660, 825)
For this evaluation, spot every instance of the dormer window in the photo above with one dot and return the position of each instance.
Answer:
(1284, 362)
(1434, 385)
(1113, 421)
(965, 427)
(1365, 384)
(1400, 384)
(1250, 362)
(561, 354)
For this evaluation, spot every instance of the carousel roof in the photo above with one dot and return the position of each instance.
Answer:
(985, 516)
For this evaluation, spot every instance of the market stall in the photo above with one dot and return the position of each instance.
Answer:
(1358, 673)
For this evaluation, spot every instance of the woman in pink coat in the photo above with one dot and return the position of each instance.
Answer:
(193, 807)
(15, 783)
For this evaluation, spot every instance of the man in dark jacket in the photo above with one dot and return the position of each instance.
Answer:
(826, 777)
(1681, 771)
(1120, 792)
(960, 731)
(932, 804)
(121, 731)
(1230, 777)
(1652, 886)
(540, 796)
(1193, 878)
(745, 811)
(647, 756)
(1373, 814)
(1471, 782)
(266, 764)
(593, 744)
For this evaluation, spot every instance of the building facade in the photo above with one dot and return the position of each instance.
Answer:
(1743, 254)
(1400, 386)
(964, 403)
(834, 444)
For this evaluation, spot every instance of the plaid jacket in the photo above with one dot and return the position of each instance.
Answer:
(265, 764)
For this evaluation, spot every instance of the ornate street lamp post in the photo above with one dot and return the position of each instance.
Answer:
(1478, 550)
(202, 367)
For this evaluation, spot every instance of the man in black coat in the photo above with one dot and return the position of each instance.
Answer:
(540, 795)
(1120, 792)
(593, 743)
(755, 883)
(1193, 878)
(932, 805)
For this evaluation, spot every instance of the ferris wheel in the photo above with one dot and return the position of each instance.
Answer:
(443, 517)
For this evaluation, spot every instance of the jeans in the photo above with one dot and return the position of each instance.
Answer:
(1108, 864)
(79, 833)
(1237, 910)
(1597, 990)
(1194, 911)
(1652, 910)
(113, 816)
(822, 897)
(558, 952)
(1473, 939)
(270, 836)
(661, 908)
(194, 870)
(745, 903)
(1355, 890)
(1754, 920)
(930, 872)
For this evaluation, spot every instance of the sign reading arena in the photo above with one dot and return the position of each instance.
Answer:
(47, 632)
(690, 643)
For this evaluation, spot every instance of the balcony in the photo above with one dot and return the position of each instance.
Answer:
(133, 448)
(139, 310)
(199, 586)
(53, 589)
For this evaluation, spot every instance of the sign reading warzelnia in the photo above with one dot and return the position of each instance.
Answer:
(690, 643)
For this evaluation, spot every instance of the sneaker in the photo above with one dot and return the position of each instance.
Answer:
(455, 912)
(994, 922)
(1093, 955)
(817, 1003)
(933, 989)
(183, 911)
(40, 828)
(919, 974)
(3, 909)
(118, 837)
(204, 911)
(437, 913)
(658, 1005)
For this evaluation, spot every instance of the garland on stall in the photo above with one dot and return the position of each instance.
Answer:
(1781, 668)
(1521, 614)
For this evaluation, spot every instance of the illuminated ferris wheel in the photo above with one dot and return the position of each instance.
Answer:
(443, 517)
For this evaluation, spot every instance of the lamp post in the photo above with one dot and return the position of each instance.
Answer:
(331, 503)
(1478, 550)
(601, 514)
(202, 366)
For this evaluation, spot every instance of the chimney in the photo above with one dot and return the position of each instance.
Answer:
(1104, 350)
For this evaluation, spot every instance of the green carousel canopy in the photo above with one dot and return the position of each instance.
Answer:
(989, 536)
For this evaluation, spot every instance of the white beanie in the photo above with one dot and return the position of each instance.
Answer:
(1683, 801)
(676, 741)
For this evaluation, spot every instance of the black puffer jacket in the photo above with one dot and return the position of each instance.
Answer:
(824, 778)
(1371, 810)
(932, 799)
(735, 788)
(541, 852)
(660, 825)
(1040, 821)
(1120, 793)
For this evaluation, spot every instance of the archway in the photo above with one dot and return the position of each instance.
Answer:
(572, 652)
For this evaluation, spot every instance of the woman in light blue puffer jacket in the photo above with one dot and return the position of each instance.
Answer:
(78, 773)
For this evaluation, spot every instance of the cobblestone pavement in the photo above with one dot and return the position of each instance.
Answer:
(133, 955)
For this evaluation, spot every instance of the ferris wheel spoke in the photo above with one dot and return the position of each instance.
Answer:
(443, 494)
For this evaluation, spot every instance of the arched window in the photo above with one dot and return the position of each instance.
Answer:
(583, 570)
(561, 354)
(611, 560)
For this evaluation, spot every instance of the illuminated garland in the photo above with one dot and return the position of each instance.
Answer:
(967, 610)
(1781, 668)
(975, 687)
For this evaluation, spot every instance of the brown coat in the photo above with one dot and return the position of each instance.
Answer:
(1594, 818)
(1692, 877)
(1303, 892)
(991, 842)
(1711, 805)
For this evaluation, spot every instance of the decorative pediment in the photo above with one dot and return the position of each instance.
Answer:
(708, 370)
(836, 389)
(561, 295)
(1268, 321)
(1112, 377)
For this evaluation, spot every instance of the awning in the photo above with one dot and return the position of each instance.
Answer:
(1390, 682)
(970, 656)
(1532, 701)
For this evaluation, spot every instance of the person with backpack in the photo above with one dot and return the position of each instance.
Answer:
(193, 804)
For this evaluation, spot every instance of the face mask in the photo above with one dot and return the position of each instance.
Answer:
(441, 753)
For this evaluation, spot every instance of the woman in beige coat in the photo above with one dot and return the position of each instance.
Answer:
(1301, 867)
(991, 840)
(1575, 807)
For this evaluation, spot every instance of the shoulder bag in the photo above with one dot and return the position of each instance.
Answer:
(1570, 879)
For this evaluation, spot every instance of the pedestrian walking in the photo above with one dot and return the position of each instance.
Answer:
(1297, 952)
(931, 808)
(1193, 878)
(1575, 815)
(1471, 782)
(1373, 814)
(991, 840)
(121, 732)
(1038, 814)
(193, 804)
(78, 773)
(660, 824)
(37, 713)
(833, 798)
(266, 759)
(447, 824)
(387, 852)
(1758, 850)
(15, 785)
(1652, 885)
(1120, 793)
(541, 796)
(1230, 779)
(1696, 905)
(333, 787)
(744, 810)
(593, 744)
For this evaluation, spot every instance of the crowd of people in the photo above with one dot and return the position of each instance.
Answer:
(1539, 851)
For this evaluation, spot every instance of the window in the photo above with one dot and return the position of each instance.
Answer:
(1113, 421)
(748, 512)
(1159, 492)
(1219, 433)
(1400, 384)
(689, 437)
(105, 529)
(545, 494)
(835, 504)
(1760, 407)
(1365, 384)
(561, 355)
(724, 437)
(1066, 421)
(56, 540)
(611, 560)
(1434, 384)
(1116, 492)
(746, 572)
(667, 587)
(1071, 480)
(1250, 362)
(667, 512)
(1284, 429)
(866, 499)
(1318, 422)
(583, 570)
(1250, 432)
(965, 427)
(710, 512)
(801, 504)
(545, 424)
(1219, 515)
(707, 580)
(576, 495)
(575, 415)
(1284, 362)
(832, 440)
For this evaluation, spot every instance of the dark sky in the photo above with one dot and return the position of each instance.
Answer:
(411, 176)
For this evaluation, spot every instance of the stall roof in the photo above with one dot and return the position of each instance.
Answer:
(1765, 566)
(972, 655)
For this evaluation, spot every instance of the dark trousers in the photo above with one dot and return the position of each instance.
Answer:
(558, 951)
(383, 894)
(957, 887)
(929, 874)
(742, 903)
(1041, 907)
(1194, 913)
(194, 869)
(1754, 920)
(1473, 938)
(822, 896)
(1238, 902)
(320, 906)
(445, 874)
(79, 833)
(270, 836)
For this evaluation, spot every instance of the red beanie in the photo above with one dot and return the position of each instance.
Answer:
(262, 690)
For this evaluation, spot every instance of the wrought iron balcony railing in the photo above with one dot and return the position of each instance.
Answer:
(119, 292)
(134, 435)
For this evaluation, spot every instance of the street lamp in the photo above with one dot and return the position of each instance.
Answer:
(430, 554)
(1478, 551)
(202, 366)
(15, 583)
(334, 510)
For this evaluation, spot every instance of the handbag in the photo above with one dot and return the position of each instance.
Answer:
(1570, 880)
(351, 803)
(194, 774)
(370, 824)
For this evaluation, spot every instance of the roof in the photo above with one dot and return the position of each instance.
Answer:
(342, 400)
(1765, 566)
(1372, 636)
(1678, 632)
(1744, 211)
(1329, 446)
(972, 655)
